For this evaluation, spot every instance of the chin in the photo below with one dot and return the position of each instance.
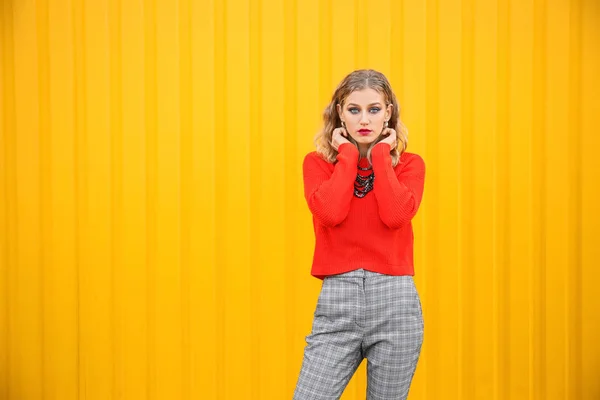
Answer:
(366, 139)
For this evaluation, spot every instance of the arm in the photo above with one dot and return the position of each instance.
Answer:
(329, 197)
(398, 194)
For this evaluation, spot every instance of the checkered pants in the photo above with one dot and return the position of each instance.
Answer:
(362, 314)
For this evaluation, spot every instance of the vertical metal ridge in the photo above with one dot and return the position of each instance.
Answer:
(151, 188)
(220, 193)
(116, 181)
(255, 183)
(506, 123)
(325, 82)
(80, 160)
(501, 210)
(204, 224)
(357, 56)
(466, 203)
(43, 83)
(574, 284)
(397, 43)
(4, 213)
(460, 312)
(432, 128)
(10, 182)
(590, 218)
(186, 185)
(360, 35)
(4, 235)
(292, 190)
(505, 159)
(537, 358)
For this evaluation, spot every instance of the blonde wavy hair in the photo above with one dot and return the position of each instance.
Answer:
(359, 80)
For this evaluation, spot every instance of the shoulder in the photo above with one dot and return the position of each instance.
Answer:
(410, 162)
(411, 157)
(314, 159)
(313, 155)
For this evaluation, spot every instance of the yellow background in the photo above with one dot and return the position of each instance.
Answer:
(155, 242)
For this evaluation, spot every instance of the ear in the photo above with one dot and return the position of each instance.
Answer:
(339, 110)
(389, 110)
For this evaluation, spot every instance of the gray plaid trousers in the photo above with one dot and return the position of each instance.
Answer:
(362, 314)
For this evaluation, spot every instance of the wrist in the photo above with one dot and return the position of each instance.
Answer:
(380, 154)
(347, 147)
(385, 145)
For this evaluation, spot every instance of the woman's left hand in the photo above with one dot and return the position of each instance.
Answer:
(390, 138)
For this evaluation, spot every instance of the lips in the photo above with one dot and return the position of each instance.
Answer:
(364, 131)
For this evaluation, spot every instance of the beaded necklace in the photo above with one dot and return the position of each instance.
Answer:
(363, 184)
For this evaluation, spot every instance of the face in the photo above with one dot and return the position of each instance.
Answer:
(364, 113)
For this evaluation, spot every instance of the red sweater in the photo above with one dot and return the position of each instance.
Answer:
(373, 232)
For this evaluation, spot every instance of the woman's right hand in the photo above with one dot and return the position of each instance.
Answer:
(338, 137)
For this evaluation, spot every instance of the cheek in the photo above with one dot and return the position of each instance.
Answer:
(350, 116)
(352, 121)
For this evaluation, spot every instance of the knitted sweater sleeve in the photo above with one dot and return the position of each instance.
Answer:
(329, 194)
(399, 192)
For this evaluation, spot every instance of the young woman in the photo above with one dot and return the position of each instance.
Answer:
(363, 189)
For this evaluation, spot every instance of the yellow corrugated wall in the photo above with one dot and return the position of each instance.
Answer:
(155, 242)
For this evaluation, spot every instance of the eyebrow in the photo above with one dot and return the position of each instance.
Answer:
(372, 104)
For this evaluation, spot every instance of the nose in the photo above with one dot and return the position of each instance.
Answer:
(364, 120)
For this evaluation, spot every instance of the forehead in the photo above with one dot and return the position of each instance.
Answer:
(365, 97)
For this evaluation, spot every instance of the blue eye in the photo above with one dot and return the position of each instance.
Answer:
(373, 110)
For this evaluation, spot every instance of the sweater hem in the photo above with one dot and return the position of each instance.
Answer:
(321, 271)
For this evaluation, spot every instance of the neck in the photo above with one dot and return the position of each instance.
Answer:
(362, 149)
